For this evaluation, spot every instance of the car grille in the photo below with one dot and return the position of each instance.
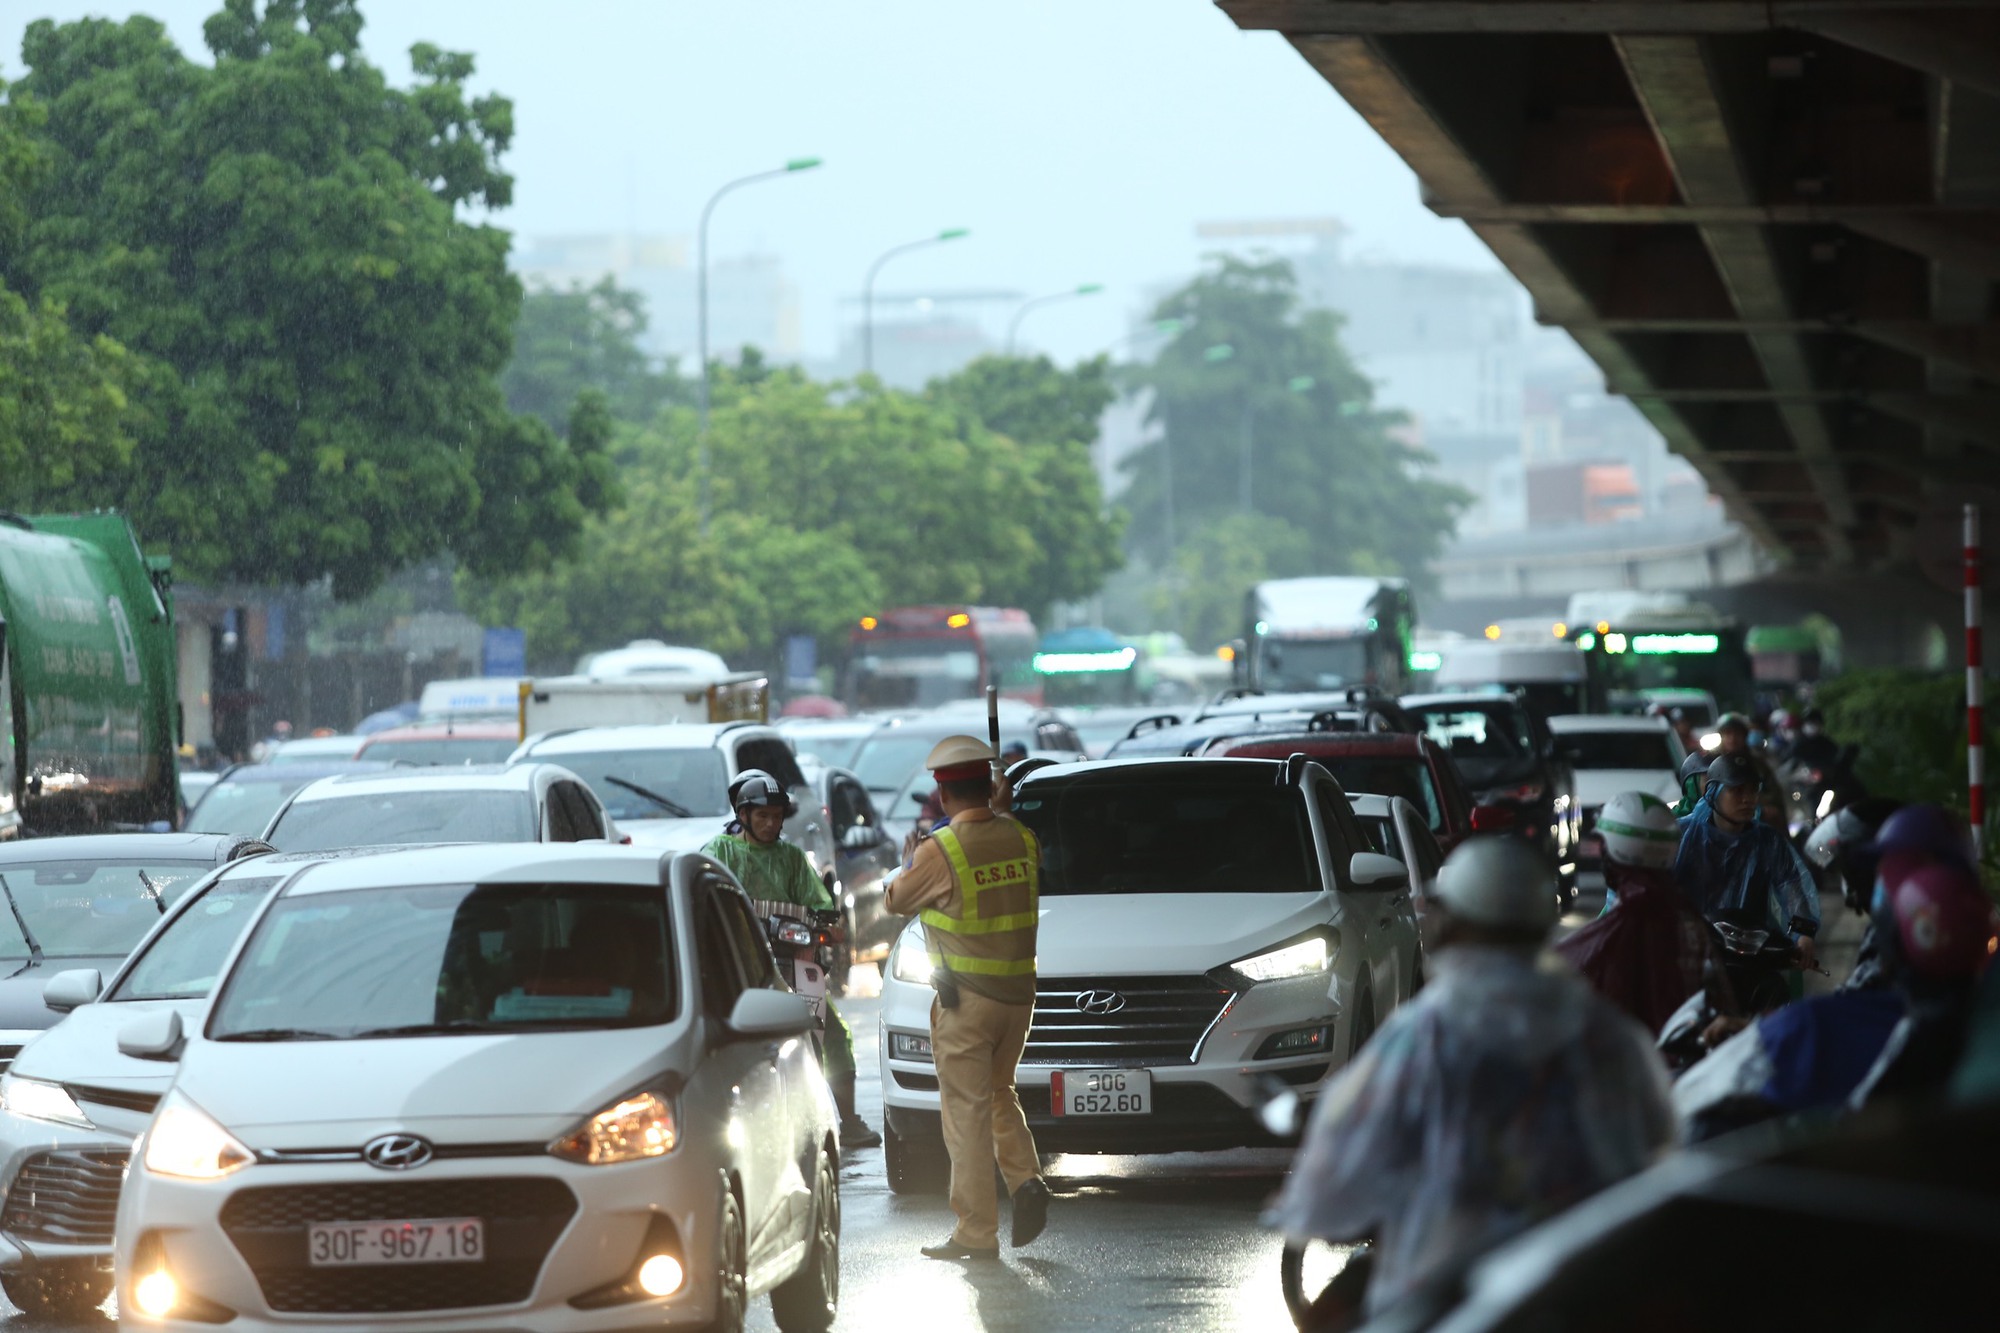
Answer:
(66, 1198)
(523, 1216)
(1159, 1021)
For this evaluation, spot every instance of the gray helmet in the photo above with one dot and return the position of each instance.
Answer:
(1734, 770)
(754, 787)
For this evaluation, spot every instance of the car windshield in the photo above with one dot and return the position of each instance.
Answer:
(892, 758)
(693, 779)
(833, 749)
(451, 959)
(445, 750)
(184, 959)
(1487, 744)
(1195, 831)
(242, 807)
(1388, 776)
(90, 909)
(1621, 749)
(389, 816)
(1311, 664)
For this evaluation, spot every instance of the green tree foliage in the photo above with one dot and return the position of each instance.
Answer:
(582, 338)
(315, 335)
(1249, 366)
(830, 502)
(1052, 416)
(63, 406)
(1217, 563)
(1910, 727)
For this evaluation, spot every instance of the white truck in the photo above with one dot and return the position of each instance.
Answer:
(1316, 634)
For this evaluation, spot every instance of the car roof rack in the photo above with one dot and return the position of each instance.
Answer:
(1157, 722)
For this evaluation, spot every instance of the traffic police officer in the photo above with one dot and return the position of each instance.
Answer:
(976, 884)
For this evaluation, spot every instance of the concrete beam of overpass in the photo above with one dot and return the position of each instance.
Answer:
(1679, 94)
(1361, 72)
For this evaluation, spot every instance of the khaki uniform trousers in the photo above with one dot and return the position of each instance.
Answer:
(976, 1047)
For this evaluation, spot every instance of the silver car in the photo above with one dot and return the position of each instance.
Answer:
(539, 1087)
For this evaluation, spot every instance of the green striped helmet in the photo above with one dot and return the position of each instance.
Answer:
(1639, 830)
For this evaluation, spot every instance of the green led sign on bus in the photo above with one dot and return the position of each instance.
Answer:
(1676, 643)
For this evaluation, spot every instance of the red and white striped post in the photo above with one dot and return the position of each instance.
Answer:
(1975, 688)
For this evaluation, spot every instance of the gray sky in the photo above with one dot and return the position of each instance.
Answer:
(1080, 140)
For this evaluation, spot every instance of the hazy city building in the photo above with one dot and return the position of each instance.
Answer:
(751, 303)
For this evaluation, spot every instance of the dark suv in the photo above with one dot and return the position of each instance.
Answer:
(1509, 759)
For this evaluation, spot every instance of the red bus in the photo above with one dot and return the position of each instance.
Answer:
(922, 656)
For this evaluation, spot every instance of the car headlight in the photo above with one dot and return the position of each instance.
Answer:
(1301, 958)
(912, 962)
(185, 1141)
(641, 1125)
(36, 1100)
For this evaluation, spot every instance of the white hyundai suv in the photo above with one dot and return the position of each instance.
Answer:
(1204, 922)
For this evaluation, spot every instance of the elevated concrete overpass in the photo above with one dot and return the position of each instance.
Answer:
(1774, 224)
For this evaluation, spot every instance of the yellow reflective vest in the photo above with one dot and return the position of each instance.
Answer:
(989, 944)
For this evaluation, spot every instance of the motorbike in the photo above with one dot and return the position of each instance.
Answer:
(1751, 981)
(803, 941)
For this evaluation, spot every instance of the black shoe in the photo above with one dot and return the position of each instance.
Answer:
(951, 1249)
(856, 1134)
(1031, 1211)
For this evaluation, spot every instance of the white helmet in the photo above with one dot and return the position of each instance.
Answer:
(1498, 881)
(1639, 830)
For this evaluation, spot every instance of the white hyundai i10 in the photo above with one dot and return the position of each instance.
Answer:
(525, 1086)
(1204, 922)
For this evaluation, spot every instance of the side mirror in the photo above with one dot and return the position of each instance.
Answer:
(154, 1037)
(759, 1013)
(1373, 870)
(73, 990)
(1493, 818)
(861, 837)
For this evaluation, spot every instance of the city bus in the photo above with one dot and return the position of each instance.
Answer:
(922, 656)
(1659, 642)
(1090, 667)
(89, 710)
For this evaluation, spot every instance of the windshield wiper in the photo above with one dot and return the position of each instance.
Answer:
(280, 1034)
(153, 892)
(27, 936)
(458, 1025)
(671, 806)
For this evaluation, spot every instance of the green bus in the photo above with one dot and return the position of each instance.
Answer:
(88, 704)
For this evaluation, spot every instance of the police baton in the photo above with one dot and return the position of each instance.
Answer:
(993, 728)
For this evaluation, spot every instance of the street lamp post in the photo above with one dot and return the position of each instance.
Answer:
(1014, 326)
(797, 164)
(868, 288)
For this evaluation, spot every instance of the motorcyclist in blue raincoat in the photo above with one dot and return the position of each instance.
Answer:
(1732, 864)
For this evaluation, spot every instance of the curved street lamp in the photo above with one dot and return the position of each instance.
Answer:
(792, 167)
(868, 288)
(1014, 326)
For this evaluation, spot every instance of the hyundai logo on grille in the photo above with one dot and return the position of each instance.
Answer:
(1100, 1002)
(397, 1152)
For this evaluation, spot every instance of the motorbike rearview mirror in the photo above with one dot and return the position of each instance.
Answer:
(154, 1037)
(1373, 870)
(73, 989)
(761, 1013)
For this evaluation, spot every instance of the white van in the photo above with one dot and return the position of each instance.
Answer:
(1551, 676)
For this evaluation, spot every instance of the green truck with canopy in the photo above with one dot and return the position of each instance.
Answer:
(88, 703)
